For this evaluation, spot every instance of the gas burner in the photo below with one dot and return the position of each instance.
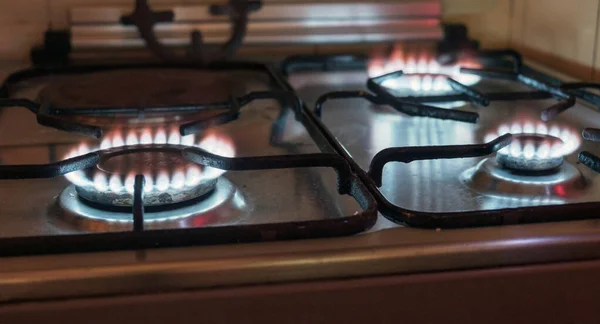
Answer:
(532, 152)
(169, 178)
(225, 205)
(531, 166)
(492, 179)
(423, 74)
(535, 147)
(177, 193)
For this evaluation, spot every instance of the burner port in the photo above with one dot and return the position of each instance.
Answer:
(532, 152)
(156, 154)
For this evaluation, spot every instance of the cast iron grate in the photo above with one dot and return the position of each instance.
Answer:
(348, 182)
(60, 118)
(420, 105)
(566, 93)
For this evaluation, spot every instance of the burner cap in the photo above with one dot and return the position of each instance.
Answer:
(531, 152)
(488, 177)
(170, 179)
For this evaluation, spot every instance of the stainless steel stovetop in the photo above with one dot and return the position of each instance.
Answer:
(29, 207)
(459, 184)
(302, 195)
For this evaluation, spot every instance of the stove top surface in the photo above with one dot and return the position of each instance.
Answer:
(460, 184)
(539, 167)
(34, 207)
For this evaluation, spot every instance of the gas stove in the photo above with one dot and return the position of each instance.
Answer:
(332, 166)
(458, 167)
(121, 170)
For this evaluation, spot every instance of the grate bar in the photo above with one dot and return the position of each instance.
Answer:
(138, 203)
(410, 154)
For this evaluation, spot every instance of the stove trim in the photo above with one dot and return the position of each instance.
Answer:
(546, 86)
(348, 183)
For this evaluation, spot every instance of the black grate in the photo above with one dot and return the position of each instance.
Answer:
(586, 158)
(566, 93)
(62, 119)
(348, 182)
(560, 92)
(416, 106)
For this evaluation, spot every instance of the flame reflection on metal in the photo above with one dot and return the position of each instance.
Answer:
(491, 179)
(496, 202)
(226, 205)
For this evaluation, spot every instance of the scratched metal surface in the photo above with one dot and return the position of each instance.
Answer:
(445, 185)
(28, 207)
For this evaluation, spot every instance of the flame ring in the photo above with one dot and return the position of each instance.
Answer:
(570, 140)
(162, 193)
(160, 188)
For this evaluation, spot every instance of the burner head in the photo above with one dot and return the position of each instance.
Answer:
(535, 146)
(224, 206)
(525, 188)
(531, 170)
(169, 178)
(532, 152)
(139, 88)
(423, 74)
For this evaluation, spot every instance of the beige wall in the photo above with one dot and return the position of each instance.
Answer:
(562, 34)
(490, 23)
(557, 33)
(21, 24)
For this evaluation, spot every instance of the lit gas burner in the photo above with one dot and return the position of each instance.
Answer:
(422, 72)
(157, 155)
(535, 147)
(532, 165)
(175, 189)
(532, 152)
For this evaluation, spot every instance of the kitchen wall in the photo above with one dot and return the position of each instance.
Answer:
(490, 23)
(561, 34)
